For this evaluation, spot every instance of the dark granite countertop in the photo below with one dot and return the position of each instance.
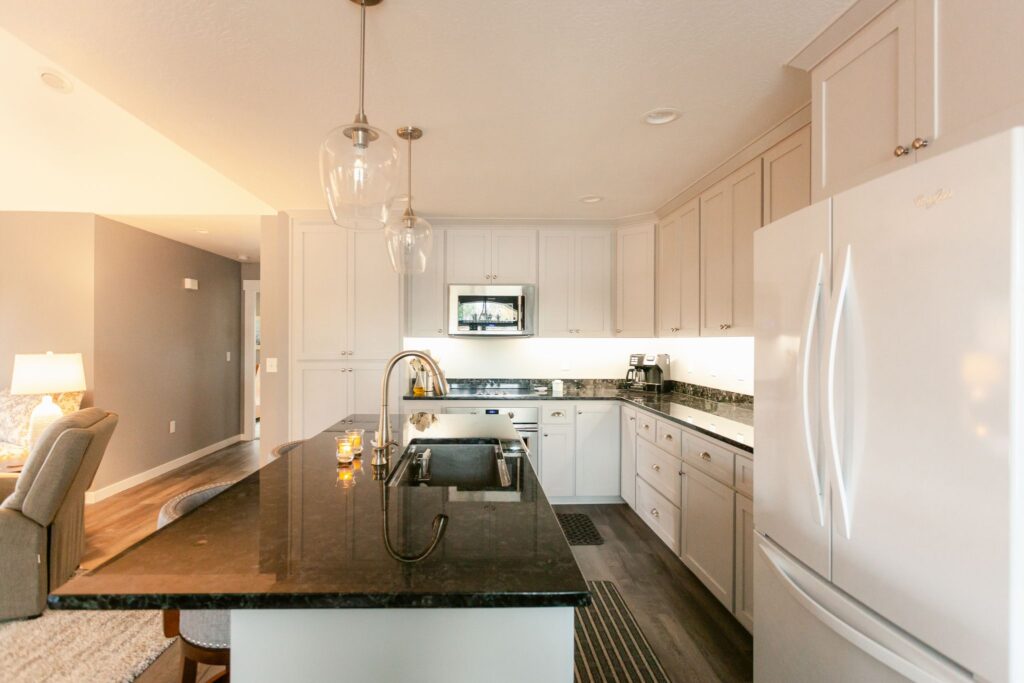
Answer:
(302, 533)
(732, 423)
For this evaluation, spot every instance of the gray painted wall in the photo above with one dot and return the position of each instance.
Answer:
(251, 271)
(160, 350)
(46, 287)
(274, 320)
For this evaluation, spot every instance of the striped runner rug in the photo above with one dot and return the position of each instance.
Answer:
(609, 643)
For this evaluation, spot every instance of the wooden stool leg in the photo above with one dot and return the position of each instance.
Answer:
(189, 669)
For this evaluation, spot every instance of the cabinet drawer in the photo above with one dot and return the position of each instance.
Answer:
(557, 414)
(670, 438)
(645, 426)
(709, 458)
(659, 470)
(659, 514)
(744, 475)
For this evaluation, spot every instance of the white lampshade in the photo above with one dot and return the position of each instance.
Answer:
(47, 373)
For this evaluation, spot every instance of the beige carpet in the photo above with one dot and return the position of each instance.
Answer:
(96, 646)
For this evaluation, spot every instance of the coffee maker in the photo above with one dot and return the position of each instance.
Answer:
(647, 371)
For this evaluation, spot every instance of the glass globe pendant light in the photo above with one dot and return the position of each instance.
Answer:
(359, 163)
(409, 237)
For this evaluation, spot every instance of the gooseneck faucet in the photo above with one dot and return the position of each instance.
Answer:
(383, 445)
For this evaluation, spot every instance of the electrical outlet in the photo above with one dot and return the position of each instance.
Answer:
(271, 365)
(229, 356)
(173, 426)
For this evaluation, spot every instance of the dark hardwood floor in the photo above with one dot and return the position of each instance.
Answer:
(695, 638)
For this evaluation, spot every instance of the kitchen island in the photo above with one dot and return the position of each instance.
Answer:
(311, 559)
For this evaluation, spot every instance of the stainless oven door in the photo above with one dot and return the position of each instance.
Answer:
(531, 437)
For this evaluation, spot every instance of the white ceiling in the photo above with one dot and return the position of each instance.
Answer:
(526, 104)
(234, 237)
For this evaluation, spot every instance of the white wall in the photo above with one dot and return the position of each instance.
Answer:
(722, 363)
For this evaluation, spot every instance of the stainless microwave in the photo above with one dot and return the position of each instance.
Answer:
(491, 310)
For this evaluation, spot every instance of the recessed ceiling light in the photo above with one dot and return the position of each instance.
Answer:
(661, 116)
(243, 257)
(202, 232)
(591, 199)
(57, 81)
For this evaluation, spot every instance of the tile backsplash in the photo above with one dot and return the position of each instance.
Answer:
(719, 363)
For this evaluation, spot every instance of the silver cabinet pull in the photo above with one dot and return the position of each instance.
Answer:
(900, 151)
(617, 331)
(655, 513)
(579, 412)
(668, 437)
(705, 456)
(918, 143)
(511, 415)
(632, 419)
(647, 426)
(558, 413)
(440, 331)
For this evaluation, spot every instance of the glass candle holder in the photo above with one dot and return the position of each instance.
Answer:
(344, 446)
(355, 437)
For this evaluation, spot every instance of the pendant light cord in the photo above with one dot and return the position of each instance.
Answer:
(410, 174)
(362, 57)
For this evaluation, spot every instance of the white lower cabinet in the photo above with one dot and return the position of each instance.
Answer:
(558, 460)
(706, 543)
(597, 449)
(627, 456)
(744, 600)
(659, 514)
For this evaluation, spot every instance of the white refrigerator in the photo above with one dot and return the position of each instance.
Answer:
(889, 471)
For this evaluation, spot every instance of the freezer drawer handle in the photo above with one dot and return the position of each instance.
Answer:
(864, 630)
(839, 308)
(809, 441)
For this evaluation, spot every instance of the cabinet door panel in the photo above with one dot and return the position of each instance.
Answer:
(708, 544)
(375, 286)
(634, 281)
(628, 457)
(864, 103)
(746, 190)
(716, 259)
(787, 176)
(597, 449)
(514, 257)
(689, 279)
(592, 284)
(468, 257)
(321, 295)
(670, 273)
(425, 295)
(555, 290)
(744, 609)
(557, 466)
(323, 399)
(365, 381)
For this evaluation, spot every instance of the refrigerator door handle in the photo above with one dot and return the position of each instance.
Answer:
(805, 368)
(830, 393)
(859, 626)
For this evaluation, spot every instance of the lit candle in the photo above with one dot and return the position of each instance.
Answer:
(344, 449)
(355, 437)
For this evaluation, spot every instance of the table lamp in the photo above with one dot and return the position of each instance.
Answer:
(47, 374)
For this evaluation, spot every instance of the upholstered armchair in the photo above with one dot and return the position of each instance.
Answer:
(42, 534)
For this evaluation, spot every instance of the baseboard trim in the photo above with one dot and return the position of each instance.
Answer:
(585, 500)
(142, 477)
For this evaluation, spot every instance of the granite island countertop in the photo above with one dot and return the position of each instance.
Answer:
(303, 533)
(730, 422)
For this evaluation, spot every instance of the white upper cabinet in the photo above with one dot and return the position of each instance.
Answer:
(678, 272)
(481, 257)
(513, 257)
(787, 176)
(730, 212)
(634, 281)
(575, 283)
(425, 300)
(873, 97)
(345, 295)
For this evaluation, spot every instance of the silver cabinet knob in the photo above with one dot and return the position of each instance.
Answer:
(656, 468)
(512, 415)
(918, 143)
(655, 513)
(647, 426)
(440, 331)
(579, 412)
(618, 331)
(900, 151)
(632, 419)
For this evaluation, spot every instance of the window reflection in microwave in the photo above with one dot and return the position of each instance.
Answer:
(488, 310)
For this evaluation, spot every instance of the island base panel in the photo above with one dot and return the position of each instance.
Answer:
(426, 645)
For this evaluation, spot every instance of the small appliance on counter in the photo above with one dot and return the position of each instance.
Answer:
(558, 388)
(647, 371)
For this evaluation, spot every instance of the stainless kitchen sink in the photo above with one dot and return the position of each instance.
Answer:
(461, 464)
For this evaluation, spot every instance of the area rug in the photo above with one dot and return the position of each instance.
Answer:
(609, 643)
(95, 646)
(579, 529)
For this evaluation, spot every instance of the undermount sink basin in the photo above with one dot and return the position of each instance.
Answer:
(463, 464)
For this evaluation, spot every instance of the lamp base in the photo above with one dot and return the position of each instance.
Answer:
(45, 414)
